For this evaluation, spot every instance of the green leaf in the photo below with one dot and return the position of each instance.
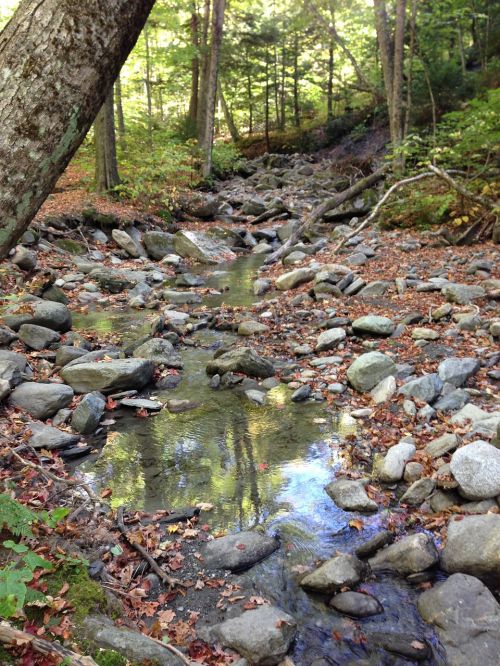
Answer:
(33, 561)
(16, 547)
(116, 550)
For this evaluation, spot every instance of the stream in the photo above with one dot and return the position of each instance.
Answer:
(259, 465)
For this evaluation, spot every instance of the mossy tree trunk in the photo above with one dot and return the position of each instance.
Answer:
(58, 62)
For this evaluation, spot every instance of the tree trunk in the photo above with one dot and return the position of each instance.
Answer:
(119, 113)
(219, 7)
(409, 90)
(228, 116)
(296, 107)
(205, 66)
(329, 90)
(58, 62)
(106, 164)
(195, 66)
(276, 85)
(386, 55)
(282, 87)
(147, 82)
(250, 103)
(266, 105)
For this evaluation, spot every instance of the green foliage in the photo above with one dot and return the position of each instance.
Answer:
(225, 158)
(15, 517)
(84, 594)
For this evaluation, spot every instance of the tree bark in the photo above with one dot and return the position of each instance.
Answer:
(250, 102)
(329, 89)
(148, 84)
(119, 113)
(205, 66)
(282, 87)
(296, 107)
(228, 116)
(266, 105)
(58, 62)
(195, 65)
(219, 7)
(106, 164)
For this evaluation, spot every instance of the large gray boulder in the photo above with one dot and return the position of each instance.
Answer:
(351, 495)
(467, 619)
(41, 400)
(342, 570)
(109, 376)
(476, 468)
(200, 246)
(238, 552)
(158, 243)
(160, 351)
(243, 359)
(369, 369)
(88, 413)
(374, 325)
(410, 555)
(425, 389)
(263, 636)
(50, 438)
(356, 604)
(294, 278)
(473, 547)
(37, 337)
(457, 371)
(42, 313)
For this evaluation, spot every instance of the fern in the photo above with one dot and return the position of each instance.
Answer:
(15, 517)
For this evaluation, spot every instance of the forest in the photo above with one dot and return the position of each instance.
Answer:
(249, 332)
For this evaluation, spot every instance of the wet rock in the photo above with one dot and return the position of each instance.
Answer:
(180, 297)
(409, 646)
(255, 396)
(116, 280)
(238, 552)
(425, 389)
(374, 325)
(411, 554)
(41, 400)
(342, 570)
(132, 247)
(67, 353)
(141, 403)
(200, 246)
(418, 492)
(391, 467)
(263, 636)
(261, 286)
(370, 369)
(302, 393)
(88, 413)
(384, 390)
(467, 619)
(294, 278)
(330, 339)
(251, 327)
(160, 351)
(356, 604)
(42, 313)
(462, 294)
(176, 405)
(351, 495)
(50, 438)
(457, 371)
(158, 244)
(476, 468)
(370, 547)
(24, 258)
(108, 376)
(189, 280)
(75, 452)
(243, 359)
(37, 337)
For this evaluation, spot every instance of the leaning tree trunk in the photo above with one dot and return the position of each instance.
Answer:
(106, 164)
(58, 62)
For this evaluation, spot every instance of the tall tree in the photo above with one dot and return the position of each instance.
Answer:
(52, 84)
(106, 164)
(195, 64)
(205, 67)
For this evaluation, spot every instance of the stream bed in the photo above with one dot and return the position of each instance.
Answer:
(259, 466)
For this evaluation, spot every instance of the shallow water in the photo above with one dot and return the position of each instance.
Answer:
(259, 465)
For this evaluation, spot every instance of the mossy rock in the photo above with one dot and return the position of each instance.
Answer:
(71, 246)
(92, 216)
(84, 594)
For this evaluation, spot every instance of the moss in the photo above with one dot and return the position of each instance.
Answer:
(109, 658)
(6, 657)
(71, 246)
(84, 594)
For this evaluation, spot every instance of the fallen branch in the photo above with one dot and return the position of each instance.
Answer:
(168, 580)
(486, 202)
(11, 636)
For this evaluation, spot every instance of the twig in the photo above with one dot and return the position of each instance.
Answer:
(168, 580)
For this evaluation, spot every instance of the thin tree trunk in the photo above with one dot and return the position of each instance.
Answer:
(386, 56)
(250, 103)
(219, 7)
(397, 77)
(409, 92)
(282, 87)
(147, 82)
(51, 87)
(205, 67)
(119, 113)
(228, 116)
(296, 107)
(266, 105)
(329, 90)
(461, 47)
(106, 164)
(276, 85)
(195, 65)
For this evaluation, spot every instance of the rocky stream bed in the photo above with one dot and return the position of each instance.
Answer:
(338, 411)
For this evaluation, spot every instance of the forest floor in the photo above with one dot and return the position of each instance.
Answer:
(431, 392)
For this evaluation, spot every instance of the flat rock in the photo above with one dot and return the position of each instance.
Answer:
(160, 352)
(294, 278)
(467, 619)
(374, 325)
(88, 413)
(330, 339)
(41, 400)
(336, 573)
(410, 646)
(50, 438)
(67, 353)
(457, 371)
(180, 297)
(177, 405)
(55, 316)
(476, 468)
(351, 495)
(116, 280)
(410, 555)
(356, 604)
(141, 403)
(109, 376)
(243, 359)
(473, 547)
(200, 246)
(262, 636)
(97, 355)
(370, 369)
(238, 552)
(441, 445)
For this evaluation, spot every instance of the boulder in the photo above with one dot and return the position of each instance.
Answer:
(251, 327)
(50, 438)
(467, 619)
(304, 392)
(41, 400)
(425, 389)
(441, 445)
(418, 492)
(131, 246)
(294, 278)
(88, 413)
(200, 246)
(330, 339)
(356, 604)
(351, 495)
(238, 552)
(457, 371)
(24, 258)
(262, 636)
(473, 546)
(374, 325)
(7, 336)
(370, 369)
(160, 351)
(42, 313)
(243, 359)
(66, 353)
(158, 244)
(116, 280)
(371, 546)
(384, 390)
(483, 422)
(342, 570)
(261, 286)
(37, 337)
(462, 294)
(201, 206)
(109, 376)
(391, 467)
(476, 468)
(410, 555)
